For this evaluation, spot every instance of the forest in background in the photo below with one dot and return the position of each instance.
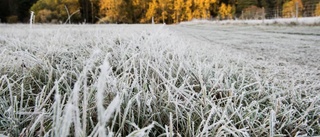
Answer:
(146, 11)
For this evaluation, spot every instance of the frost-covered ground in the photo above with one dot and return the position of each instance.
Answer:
(156, 80)
(283, 21)
(287, 47)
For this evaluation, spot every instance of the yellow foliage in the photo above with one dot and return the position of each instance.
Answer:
(55, 10)
(317, 11)
(225, 11)
(202, 8)
(115, 10)
(44, 16)
(163, 11)
(166, 9)
(178, 10)
(151, 12)
(108, 8)
(289, 8)
(136, 2)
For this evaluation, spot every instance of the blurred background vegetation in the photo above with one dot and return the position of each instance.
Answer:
(144, 11)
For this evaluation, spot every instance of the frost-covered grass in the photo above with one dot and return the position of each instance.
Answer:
(143, 80)
(280, 21)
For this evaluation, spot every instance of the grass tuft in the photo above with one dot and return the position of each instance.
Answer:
(142, 81)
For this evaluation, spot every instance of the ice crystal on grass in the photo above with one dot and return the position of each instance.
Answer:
(148, 80)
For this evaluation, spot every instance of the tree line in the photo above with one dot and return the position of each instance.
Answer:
(147, 11)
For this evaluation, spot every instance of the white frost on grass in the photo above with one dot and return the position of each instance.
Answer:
(141, 132)
(157, 80)
(283, 21)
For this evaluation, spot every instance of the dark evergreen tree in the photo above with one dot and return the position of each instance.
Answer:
(15, 8)
(4, 10)
(8, 9)
(24, 9)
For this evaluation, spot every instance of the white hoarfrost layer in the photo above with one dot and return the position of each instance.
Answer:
(300, 20)
(158, 80)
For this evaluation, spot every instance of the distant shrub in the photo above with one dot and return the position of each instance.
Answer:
(253, 12)
(12, 19)
(289, 8)
(55, 21)
(44, 16)
(47, 10)
(104, 20)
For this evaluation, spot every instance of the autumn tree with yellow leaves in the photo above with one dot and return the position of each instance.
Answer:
(166, 8)
(144, 11)
(162, 11)
(317, 11)
(202, 8)
(152, 12)
(114, 11)
(138, 10)
(187, 15)
(179, 9)
(290, 8)
(225, 11)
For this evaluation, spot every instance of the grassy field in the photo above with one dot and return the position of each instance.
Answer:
(150, 80)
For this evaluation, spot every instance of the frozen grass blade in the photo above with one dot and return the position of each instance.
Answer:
(171, 126)
(105, 70)
(272, 122)
(141, 132)
(115, 80)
